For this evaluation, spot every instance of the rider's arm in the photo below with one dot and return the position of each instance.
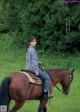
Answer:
(34, 61)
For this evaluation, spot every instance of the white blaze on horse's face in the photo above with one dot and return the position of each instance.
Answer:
(71, 78)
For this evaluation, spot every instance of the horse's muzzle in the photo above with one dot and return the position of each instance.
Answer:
(66, 92)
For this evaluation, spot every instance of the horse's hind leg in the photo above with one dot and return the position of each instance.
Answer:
(17, 106)
(42, 106)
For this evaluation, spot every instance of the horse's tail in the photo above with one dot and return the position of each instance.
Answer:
(4, 91)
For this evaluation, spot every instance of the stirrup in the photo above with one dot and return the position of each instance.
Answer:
(45, 97)
(49, 97)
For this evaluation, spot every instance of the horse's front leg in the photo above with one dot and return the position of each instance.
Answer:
(44, 110)
(42, 106)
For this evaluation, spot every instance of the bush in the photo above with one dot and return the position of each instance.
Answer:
(45, 20)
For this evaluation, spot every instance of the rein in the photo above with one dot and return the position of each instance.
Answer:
(53, 81)
(58, 88)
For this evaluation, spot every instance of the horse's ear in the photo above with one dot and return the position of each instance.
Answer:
(72, 71)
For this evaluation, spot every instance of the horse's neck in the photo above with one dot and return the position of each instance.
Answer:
(55, 78)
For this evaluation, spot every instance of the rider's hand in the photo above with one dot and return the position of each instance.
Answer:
(39, 63)
(37, 73)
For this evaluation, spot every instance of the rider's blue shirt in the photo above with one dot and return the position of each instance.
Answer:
(32, 59)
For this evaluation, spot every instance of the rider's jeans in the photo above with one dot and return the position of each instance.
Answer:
(45, 78)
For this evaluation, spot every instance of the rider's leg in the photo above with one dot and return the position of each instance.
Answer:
(46, 79)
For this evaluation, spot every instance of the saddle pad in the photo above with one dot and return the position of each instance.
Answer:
(33, 80)
(31, 73)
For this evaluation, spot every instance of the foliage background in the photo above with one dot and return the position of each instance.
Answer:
(44, 19)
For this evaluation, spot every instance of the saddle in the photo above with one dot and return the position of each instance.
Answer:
(32, 77)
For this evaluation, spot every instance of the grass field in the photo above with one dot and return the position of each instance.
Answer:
(14, 60)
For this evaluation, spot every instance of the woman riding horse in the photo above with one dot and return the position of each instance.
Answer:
(17, 86)
(32, 64)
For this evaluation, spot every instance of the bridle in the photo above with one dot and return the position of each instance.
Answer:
(59, 88)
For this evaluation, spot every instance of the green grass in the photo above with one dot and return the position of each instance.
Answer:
(14, 60)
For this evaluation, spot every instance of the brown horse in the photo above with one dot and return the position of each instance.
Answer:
(17, 87)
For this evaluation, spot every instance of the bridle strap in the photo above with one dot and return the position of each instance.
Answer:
(58, 88)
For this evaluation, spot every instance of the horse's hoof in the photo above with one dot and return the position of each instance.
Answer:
(12, 110)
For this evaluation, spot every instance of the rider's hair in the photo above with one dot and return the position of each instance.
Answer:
(31, 38)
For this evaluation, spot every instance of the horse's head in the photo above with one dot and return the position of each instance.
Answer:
(68, 78)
